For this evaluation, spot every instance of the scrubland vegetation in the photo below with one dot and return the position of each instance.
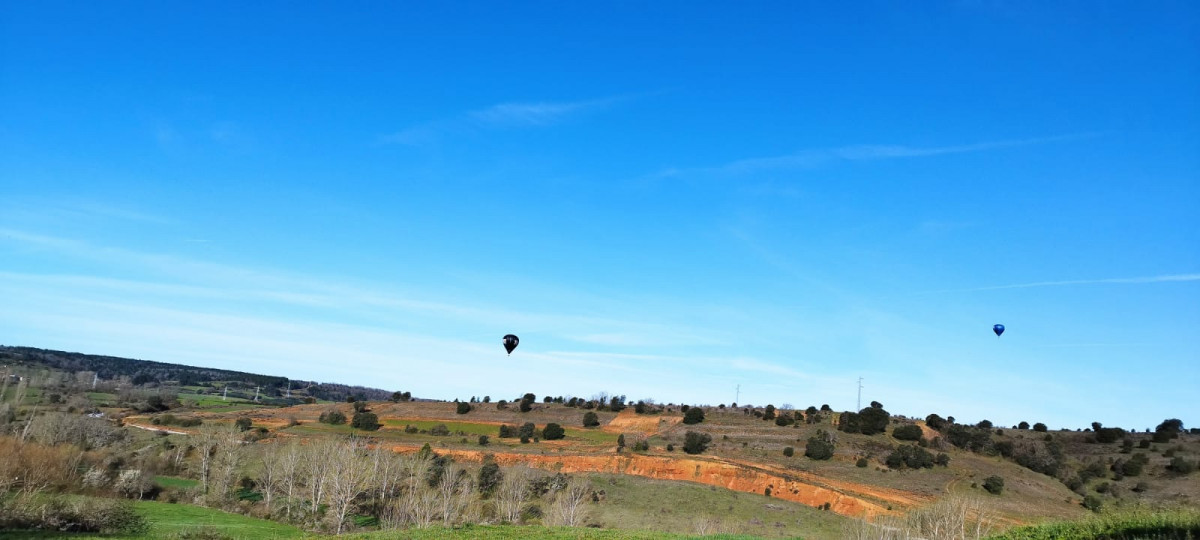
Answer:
(87, 454)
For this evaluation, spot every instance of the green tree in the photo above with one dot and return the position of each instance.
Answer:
(910, 456)
(366, 421)
(527, 431)
(694, 415)
(1167, 430)
(590, 419)
(490, 476)
(872, 420)
(553, 432)
(1039, 427)
(332, 417)
(783, 420)
(483, 440)
(820, 446)
(769, 413)
(463, 408)
(1023, 425)
(696, 443)
(907, 432)
(789, 451)
(620, 441)
(993, 485)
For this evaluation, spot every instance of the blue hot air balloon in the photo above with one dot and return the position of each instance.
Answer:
(998, 329)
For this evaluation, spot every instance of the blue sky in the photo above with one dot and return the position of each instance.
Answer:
(663, 200)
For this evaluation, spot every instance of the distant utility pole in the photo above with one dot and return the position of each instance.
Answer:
(858, 404)
(738, 395)
(225, 396)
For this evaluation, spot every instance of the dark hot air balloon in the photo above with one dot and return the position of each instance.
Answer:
(998, 329)
(510, 342)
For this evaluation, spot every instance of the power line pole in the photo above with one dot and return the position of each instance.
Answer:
(858, 404)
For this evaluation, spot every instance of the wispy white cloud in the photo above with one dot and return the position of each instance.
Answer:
(1169, 278)
(529, 114)
(865, 152)
(501, 115)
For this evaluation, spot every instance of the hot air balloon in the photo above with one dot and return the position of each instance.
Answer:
(510, 342)
(998, 329)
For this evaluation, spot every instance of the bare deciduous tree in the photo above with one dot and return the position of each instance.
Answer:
(349, 475)
(512, 494)
(568, 508)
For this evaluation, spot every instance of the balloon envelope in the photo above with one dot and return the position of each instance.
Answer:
(510, 342)
(998, 329)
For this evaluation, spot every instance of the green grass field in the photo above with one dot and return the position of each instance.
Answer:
(1135, 525)
(171, 520)
(175, 482)
(508, 532)
(637, 503)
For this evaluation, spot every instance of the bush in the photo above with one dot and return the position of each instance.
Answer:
(527, 431)
(993, 485)
(553, 432)
(911, 456)
(1039, 427)
(243, 423)
(861, 463)
(1179, 465)
(694, 415)
(483, 440)
(1093, 503)
(202, 533)
(590, 419)
(366, 421)
(818, 448)
(463, 408)
(695, 443)
(76, 514)
(332, 417)
(440, 430)
(789, 451)
(907, 432)
(670, 447)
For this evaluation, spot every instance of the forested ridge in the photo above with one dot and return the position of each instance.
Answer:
(148, 371)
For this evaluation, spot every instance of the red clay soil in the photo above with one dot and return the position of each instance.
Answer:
(846, 498)
(628, 421)
(843, 497)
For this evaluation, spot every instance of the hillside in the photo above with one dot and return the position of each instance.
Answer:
(639, 473)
